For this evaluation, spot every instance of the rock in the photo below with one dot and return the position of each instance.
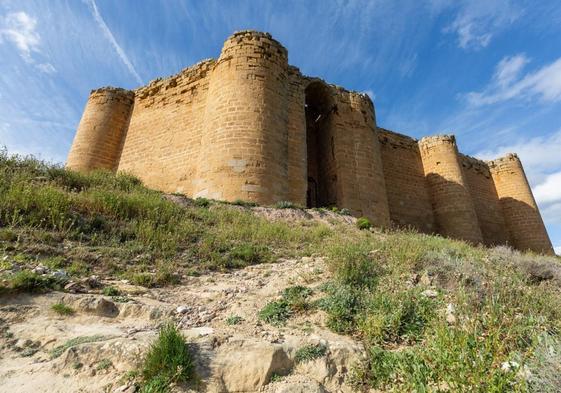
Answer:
(60, 274)
(92, 282)
(430, 293)
(450, 317)
(99, 306)
(182, 309)
(243, 366)
(40, 270)
(75, 287)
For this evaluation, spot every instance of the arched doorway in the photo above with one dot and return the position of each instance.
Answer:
(322, 175)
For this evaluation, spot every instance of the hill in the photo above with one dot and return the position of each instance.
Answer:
(103, 279)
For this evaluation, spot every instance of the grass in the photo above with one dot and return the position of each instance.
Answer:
(168, 361)
(293, 300)
(234, 320)
(105, 224)
(62, 309)
(507, 305)
(59, 350)
(309, 352)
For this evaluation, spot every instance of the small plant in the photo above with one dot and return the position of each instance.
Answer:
(287, 205)
(234, 320)
(59, 350)
(363, 223)
(296, 297)
(104, 364)
(111, 291)
(276, 378)
(168, 361)
(7, 235)
(62, 309)
(144, 280)
(310, 352)
(276, 312)
(345, 212)
(241, 202)
(202, 202)
(28, 281)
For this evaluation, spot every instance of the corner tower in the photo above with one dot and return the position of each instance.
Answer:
(521, 214)
(100, 135)
(452, 204)
(244, 148)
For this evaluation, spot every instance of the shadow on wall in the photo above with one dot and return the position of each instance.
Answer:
(525, 226)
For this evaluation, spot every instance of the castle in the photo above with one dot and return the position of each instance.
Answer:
(250, 126)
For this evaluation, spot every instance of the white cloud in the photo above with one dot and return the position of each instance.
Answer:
(508, 83)
(477, 21)
(558, 250)
(19, 29)
(109, 35)
(370, 94)
(47, 68)
(542, 163)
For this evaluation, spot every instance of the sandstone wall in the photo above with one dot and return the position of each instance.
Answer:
(244, 150)
(453, 206)
(485, 200)
(100, 134)
(520, 211)
(163, 141)
(409, 198)
(249, 126)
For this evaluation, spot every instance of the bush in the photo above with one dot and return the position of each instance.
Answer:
(363, 223)
(168, 361)
(62, 309)
(287, 205)
(309, 352)
(296, 297)
(276, 312)
(202, 202)
(111, 291)
(241, 202)
(28, 281)
(234, 320)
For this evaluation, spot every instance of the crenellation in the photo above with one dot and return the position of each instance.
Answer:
(249, 126)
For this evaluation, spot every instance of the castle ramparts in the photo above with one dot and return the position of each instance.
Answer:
(250, 126)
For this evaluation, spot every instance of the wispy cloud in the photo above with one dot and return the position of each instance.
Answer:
(109, 35)
(19, 29)
(477, 21)
(507, 83)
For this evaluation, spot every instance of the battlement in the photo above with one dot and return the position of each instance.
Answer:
(250, 126)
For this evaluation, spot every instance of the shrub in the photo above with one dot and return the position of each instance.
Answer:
(342, 305)
(296, 297)
(276, 312)
(62, 309)
(287, 205)
(363, 223)
(241, 202)
(310, 352)
(202, 202)
(28, 281)
(143, 279)
(168, 361)
(234, 320)
(111, 291)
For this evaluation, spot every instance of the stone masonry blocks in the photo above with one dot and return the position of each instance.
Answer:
(250, 126)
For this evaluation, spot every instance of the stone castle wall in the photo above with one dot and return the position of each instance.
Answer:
(250, 126)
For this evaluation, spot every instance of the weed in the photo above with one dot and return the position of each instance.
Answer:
(241, 202)
(168, 361)
(143, 279)
(276, 312)
(103, 364)
(202, 202)
(310, 352)
(111, 291)
(234, 320)
(62, 309)
(59, 350)
(363, 223)
(296, 297)
(28, 281)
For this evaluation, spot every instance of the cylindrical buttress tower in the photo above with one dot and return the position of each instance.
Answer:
(245, 142)
(99, 138)
(370, 181)
(453, 207)
(521, 214)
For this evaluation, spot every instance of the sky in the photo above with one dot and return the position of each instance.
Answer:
(488, 71)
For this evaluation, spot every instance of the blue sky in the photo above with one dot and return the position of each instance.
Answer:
(488, 71)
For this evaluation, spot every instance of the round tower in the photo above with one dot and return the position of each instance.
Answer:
(453, 207)
(370, 181)
(522, 216)
(244, 148)
(99, 138)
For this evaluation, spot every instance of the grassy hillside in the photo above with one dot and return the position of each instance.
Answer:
(434, 314)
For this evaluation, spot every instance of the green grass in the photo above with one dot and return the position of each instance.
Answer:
(111, 291)
(309, 352)
(234, 320)
(168, 361)
(507, 305)
(363, 223)
(62, 309)
(59, 350)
